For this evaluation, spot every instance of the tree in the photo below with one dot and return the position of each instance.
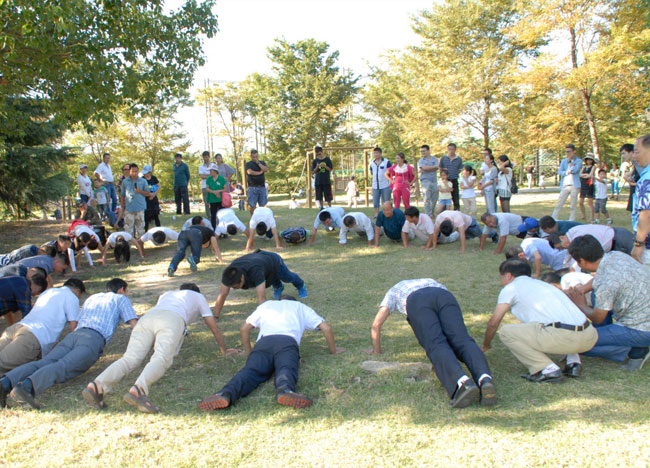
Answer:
(84, 59)
(31, 165)
(230, 105)
(305, 100)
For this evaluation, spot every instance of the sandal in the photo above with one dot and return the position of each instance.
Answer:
(141, 402)
(93, 397)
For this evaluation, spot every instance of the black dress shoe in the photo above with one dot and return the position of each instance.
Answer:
(572, 370)
(465, 395)
(488, 392)
(22, 395)
(552, 377)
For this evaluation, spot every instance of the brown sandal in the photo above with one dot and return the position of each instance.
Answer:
(93, 397)
(141, 402)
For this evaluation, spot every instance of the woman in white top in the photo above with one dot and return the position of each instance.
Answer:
(487, 185)
(467, 181)
(85, 185)
(504, 182)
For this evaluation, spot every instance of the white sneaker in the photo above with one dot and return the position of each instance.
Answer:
(609, 220)
(596, 221)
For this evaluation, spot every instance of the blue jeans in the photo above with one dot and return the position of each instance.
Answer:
(104, 211)
(189, 237)
(73, 356)
(285, 275)
(615, 342)
(110, 187)
(380, 196)
(490, 201)
(272, 353)
(84, 198)
(257, 196)
(473, 231)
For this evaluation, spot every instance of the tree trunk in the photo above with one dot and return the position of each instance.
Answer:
(586, 99)
(486, 123)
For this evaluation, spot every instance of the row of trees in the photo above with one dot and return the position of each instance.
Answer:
(519, 76)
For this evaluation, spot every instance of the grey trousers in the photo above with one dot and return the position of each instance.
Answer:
(430, 190)
(73, 356)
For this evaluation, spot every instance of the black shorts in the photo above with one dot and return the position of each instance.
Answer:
(324, 190)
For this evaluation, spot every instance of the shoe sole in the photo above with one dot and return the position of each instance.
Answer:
(294, 400)
(23, 397)
(488, 394)
(192, 263)
(214, 402)
(471, 396)
(133, 401)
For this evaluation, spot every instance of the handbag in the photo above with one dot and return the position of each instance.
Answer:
(226, 200)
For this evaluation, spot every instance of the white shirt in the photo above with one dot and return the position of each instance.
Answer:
(188, 224)
(424, 224)
(336, 212)
(204, 170)
(85, 186)
(262, 215)
(458, 220)
(105, 172)
(550, 256)
(574, 278)
(604, 234)
(507, 223)
(288, 318)
(189, 304)
(467, 192)
(395, 298)
(363, 224)
(227, 217)
(533, 300)
(601, 189)
(53, 308)
(170, 234)
(112, 239)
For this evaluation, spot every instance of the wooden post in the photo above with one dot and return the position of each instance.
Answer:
(308, 181)
(365, 175)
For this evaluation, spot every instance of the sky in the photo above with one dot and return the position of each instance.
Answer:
(361, 30)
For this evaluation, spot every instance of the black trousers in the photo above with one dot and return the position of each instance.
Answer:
(151, 216)
(272, 353)
(214, 207)
(437, 321)
(181, 195)
(455, 194)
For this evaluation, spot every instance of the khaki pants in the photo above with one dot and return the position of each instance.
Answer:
(134, 223)
(564, 194)
(161, 329)
(530, 342)
(18, 346)
(470, 206)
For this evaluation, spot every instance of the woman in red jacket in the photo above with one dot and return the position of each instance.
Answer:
(401, 177)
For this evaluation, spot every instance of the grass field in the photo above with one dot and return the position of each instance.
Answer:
(358, 419)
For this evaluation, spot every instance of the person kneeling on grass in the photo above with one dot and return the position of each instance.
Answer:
(551, 323)
(119, 242)
(331, 218)
(449, 221)
(258, 270)
(159, 235)
(359, 223)
(196, 237)
(163, 329)
(263, 224)
(281, 325)
(294, 235)
(437, 321)
(78, 351)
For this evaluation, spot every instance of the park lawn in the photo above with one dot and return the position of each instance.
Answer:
(390, 419)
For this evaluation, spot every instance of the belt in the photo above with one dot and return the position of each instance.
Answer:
(564, 326)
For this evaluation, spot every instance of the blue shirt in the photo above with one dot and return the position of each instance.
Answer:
(393, 225)
(564, 226)
(575, 171)
(181, 175)
(102, 312)
(337, 214)
(15, 294)
(641, 200)
(41, 261)
(134, 201)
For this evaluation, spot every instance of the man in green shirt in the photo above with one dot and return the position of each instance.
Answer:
(215, 185)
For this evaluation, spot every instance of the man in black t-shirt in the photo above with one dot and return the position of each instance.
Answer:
(196, 237)
(255, 169)
(258, 270)
(321, 167)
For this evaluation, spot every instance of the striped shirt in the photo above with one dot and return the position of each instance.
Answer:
(395, 298)
(454, 166)
(102, 312)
